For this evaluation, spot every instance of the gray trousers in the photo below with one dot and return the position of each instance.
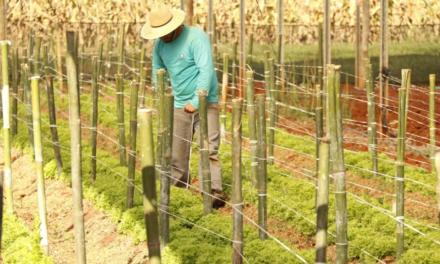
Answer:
(185, 126)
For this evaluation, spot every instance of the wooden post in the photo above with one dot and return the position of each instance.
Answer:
(242, 48)
(134, 90)
(167, 143)
(322, 199)
(205, 178)
(252, 125)
(7, 169)
(38, 154)
(52, 111)
(437, 171)
(262, 165)
(149, 184)
(237, 197)
(400, 161)
(234, 70)
(75, 149)
(384, 64)
(334, 122)
(94, 118)
(432, 128)
(121, 119)
(372, 137)
(224, 101)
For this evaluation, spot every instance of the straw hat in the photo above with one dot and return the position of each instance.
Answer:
(162, 21)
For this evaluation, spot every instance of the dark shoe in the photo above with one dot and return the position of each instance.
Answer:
(219, 199)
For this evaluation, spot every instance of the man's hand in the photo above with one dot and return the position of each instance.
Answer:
(189, 108)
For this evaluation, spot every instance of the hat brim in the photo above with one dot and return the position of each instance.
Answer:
(148, 32)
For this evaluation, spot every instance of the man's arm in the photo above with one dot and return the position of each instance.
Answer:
(157, 64)
(203, 59)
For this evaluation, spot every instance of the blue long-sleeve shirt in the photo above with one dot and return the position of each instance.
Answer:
(188, 61)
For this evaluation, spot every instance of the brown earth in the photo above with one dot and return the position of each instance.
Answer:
(104, 244)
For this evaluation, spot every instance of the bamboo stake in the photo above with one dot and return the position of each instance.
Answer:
(75, 149)
(15, 83)
(364, 42)
(432, 128)
(400, 161)
(121, 52)
(38, 154)
(280, 40)
(233, 70)
(224, 95)
(262, 166)
(357, 43)
(7, 169)
(59, 63)
(250, 49)
(372, 138)
(160, 91)
(27, 101)
(36, 57)
(189, 12)
(252, 125)
(205, 178)
(167, 142)
(210, 22)
(272, 106)
(437, 171)
(322, 199)
(327, 38)
(94, 118)
(149, 184)
(384, 64)
(319, 118)
(2, 38)
(334, 122)
(121, 119)
(237, 197)
(142, 81)
(52, 112)
(242, 48)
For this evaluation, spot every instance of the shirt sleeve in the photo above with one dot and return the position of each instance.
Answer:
(157, 64)
(201, 48)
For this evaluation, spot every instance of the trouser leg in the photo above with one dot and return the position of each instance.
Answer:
(182, 138)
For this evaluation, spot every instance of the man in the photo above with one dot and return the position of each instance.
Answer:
(185, 52)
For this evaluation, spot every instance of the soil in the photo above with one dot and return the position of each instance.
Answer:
(103, 242)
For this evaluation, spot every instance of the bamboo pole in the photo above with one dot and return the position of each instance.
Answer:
(142, 79)
(437, 171)
(134, 91)
(432, 128)
(35, 66)
(75, 149)
(252, 125)
(94, 118)
(237, 196)
(262, 166)
(250, 49)
(2, 183)
(167, 142)
(280, 42)
(15, 83)
(160, 92)
(27, 101)
(52, 111)
(322, 199)
(7, 169)
(242, 48)
(319, 121)
(211, 22)
(364, 42)
(189, 12)
(59, 63)
(326, 34)
(38, 154)
(121, 53)
(334, 122)
(204, 153)
(384, 64)
(121, 119)
(400, 161)
(146, 152)
(272, 106)
(224, 102)
(357, 43)
(372, 135)
(234, 71)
